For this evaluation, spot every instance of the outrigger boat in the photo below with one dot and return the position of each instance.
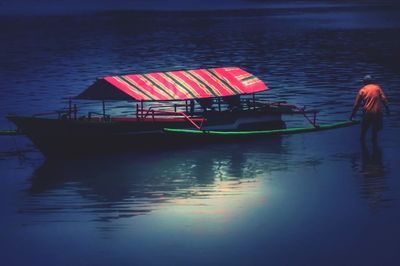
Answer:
(168, 108)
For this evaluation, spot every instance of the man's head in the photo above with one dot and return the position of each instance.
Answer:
(367, 79)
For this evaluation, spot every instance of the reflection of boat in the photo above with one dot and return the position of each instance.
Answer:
(123, 185)
(219, 110)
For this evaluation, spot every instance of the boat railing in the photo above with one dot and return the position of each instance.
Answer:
(144, 113)
(252, 104)
(197, 122)
(141, 112)
(70, 113)
(260, 102)
(105, 117)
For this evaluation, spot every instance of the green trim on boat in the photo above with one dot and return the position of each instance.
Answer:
(264, 132)
(9, 133)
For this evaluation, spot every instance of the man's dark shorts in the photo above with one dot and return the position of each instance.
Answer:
(374, 120)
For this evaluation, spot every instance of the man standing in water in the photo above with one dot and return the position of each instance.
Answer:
(371, 95)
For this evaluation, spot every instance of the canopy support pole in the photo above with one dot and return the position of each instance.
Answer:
(191, 107)
(141, 108)
(104, 110)
(69, 108)
(75, 111)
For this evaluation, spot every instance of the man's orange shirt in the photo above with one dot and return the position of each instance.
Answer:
(372, 95)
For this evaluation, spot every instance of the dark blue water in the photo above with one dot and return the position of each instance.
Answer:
(307, 199)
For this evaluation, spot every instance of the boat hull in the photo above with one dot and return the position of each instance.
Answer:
(66, 138)
(69, 138)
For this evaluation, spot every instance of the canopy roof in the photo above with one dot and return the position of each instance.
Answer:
(175, 85)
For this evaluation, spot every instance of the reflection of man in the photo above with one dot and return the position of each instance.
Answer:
(372, 163)
(371, 95)
(373, 172)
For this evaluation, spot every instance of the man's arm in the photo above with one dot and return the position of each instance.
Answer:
(384, 101)
(356, 105)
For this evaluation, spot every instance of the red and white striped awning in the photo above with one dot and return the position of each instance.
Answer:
(175, 85)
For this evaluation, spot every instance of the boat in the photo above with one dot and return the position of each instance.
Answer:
(164, 109)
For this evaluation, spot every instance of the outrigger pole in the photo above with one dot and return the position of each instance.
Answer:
(282, 131)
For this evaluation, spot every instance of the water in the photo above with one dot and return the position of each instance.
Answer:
(307, 199)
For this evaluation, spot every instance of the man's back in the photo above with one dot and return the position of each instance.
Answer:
(372, 95)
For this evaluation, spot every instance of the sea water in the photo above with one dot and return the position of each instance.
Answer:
(319, 198)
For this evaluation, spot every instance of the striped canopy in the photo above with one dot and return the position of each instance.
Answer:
(175, 85)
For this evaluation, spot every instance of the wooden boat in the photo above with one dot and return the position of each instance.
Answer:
(168, 109)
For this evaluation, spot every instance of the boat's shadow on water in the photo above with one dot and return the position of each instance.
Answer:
(134, 183)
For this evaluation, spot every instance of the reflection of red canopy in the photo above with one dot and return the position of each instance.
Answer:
(175, 85)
